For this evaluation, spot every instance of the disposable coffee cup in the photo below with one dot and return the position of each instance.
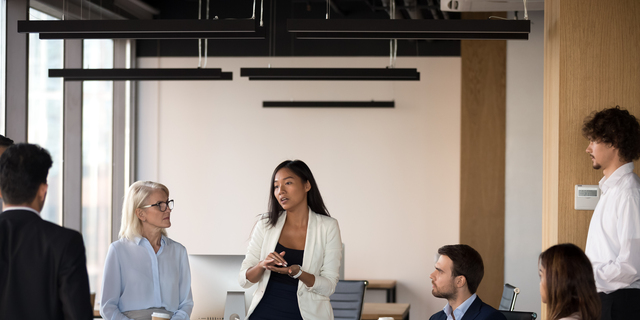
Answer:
(160, 316)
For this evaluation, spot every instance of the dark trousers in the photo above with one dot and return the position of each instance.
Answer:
(620, 304)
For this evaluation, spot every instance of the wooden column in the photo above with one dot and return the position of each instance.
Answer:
(591, 62)
(483, 135)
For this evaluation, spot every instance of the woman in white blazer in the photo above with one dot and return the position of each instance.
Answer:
(295, 251)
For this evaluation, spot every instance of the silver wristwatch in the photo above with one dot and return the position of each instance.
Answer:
(297, 275)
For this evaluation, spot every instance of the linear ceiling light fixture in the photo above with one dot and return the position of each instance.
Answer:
(148, 29)
(409, 29)
(375, 74)
(136, 26)
(328, 104)
(143, 29)
(139, 74)
(258, 34)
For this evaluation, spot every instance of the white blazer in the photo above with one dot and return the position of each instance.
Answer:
(322, 254)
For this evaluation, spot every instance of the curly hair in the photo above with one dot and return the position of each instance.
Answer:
(617, 127)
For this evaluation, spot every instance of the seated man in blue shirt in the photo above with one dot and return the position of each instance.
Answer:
(458, 273)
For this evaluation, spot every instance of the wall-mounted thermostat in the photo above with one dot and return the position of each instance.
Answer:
(587, 196)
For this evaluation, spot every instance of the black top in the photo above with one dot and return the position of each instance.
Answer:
(43, 273)
(292, 257)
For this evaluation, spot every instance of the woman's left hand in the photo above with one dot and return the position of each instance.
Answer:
(281, 270)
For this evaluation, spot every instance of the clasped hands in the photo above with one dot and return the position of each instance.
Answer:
(276, 262)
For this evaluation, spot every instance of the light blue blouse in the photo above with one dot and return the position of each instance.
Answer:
(136, 278)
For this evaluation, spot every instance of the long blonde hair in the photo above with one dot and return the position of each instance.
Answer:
(137, 194)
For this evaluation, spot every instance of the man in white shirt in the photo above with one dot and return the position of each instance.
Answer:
(458, 273)
(613, 242)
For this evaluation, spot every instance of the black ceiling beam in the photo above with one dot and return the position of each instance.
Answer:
(328, 104)
(333, 74)
(136, 26)
(139, 74)
(259, 34)
(411, 36)
(408, 26)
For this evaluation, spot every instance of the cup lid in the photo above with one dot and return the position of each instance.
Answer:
(161, 315)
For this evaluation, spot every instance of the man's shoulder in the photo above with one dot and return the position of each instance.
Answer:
(438, 315)
(57, 231)
(29, 219)
(488, 312)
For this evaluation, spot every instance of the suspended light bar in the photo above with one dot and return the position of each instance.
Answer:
(409, 29)
(139, 74)
(386, 74)
(258, 34)
(136, 26)
(409, 36)
(328, 104)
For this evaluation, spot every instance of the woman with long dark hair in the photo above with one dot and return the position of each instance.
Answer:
(295, 250)
(567, 284)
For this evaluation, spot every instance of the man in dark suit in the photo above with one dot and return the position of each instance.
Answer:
(458, 273)
(43, 272)
(4, 143)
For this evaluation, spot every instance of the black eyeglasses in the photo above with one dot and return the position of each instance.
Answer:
(162, 205)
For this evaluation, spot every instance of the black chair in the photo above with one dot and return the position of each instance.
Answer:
(519, 315)
(348, 298)
(509, 295)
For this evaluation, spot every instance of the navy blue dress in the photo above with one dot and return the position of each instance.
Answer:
(280, 299)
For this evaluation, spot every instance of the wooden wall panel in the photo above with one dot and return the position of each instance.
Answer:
(483, 141)
(592, 51)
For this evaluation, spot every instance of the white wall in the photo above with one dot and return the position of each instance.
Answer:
(523, 196)
(390, 176)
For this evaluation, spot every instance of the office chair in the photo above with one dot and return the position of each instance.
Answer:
(348, 298)
(519, 315)
(509, 295)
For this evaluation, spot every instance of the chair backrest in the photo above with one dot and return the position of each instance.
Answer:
(508, 300)
(348, 298)
(519, 315)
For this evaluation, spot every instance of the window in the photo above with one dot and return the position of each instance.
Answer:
(97, 154)
(3, 59)
(46, 111)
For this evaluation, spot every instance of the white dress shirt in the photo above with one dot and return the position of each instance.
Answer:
(613, 242)
(136, 278)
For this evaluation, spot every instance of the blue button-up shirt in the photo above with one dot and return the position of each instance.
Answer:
(137, 278)
(459, 312)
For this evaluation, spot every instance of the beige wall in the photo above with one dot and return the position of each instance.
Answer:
(390, 176)
(591, 63)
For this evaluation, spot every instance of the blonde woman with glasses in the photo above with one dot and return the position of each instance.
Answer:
(145, 271)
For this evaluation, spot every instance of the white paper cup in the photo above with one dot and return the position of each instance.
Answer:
(160, 316)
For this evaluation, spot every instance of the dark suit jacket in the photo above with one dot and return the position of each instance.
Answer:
(478, 310)
(43, 272)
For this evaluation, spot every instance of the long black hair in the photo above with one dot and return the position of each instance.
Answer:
(314, 199)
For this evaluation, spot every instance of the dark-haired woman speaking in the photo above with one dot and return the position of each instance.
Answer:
(295, 250)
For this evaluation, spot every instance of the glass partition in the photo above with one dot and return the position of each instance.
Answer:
(45, 108)
(97, 154)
